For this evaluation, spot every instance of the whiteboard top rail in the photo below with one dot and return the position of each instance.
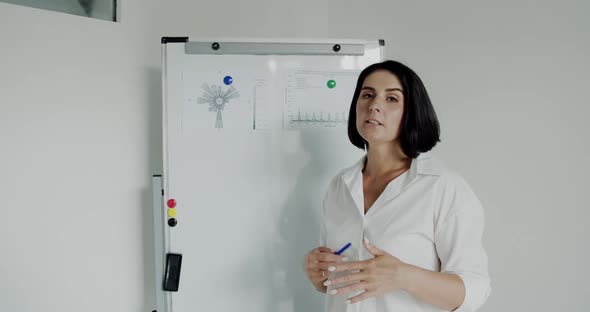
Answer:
(268, 46)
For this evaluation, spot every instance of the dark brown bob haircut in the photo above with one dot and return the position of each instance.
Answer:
(419, 130)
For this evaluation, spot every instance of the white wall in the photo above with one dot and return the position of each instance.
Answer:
(80, 135)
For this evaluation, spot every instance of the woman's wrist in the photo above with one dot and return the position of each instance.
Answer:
(407, 274)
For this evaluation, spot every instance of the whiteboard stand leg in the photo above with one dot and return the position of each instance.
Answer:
(162, 297)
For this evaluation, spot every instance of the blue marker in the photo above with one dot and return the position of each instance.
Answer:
(343, 249)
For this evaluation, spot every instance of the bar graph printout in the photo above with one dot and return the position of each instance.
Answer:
(318, 99)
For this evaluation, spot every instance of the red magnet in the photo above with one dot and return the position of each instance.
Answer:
(171, 203)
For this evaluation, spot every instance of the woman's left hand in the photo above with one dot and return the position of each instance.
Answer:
(377, 276)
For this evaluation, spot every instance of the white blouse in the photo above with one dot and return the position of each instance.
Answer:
(428, 217)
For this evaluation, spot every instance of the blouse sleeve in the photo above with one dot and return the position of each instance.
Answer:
(458, 240)
(323, 234)
(322, 214)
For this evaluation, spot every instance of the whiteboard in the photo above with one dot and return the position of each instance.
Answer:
(253, 132)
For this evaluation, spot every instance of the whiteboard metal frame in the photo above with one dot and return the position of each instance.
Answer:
(160, 241)
(235, 47)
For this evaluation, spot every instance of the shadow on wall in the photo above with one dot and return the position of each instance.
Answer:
(311, 166)
(299, 226)
(295, 227)
(154, 154)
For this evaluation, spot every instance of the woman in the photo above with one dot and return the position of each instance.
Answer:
(415, 227)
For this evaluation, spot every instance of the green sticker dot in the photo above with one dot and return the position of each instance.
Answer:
(331, 84)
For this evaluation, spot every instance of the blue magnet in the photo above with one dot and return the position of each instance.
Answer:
(228, 80)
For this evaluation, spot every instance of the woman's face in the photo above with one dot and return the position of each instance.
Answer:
(379, 108)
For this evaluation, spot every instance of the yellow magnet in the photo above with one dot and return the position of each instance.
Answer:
(172, 212)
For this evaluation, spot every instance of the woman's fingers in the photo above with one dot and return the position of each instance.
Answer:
(325, 266)
(352, 266)
(319, 263)
(322, 249)
(324, 255)
(349, 288)
(329, 257)
(348, 278)
(361, 297)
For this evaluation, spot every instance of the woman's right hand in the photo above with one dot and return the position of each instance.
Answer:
(317, 263)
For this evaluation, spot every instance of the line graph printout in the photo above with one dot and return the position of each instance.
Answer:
(318, 99)
(224, 100)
